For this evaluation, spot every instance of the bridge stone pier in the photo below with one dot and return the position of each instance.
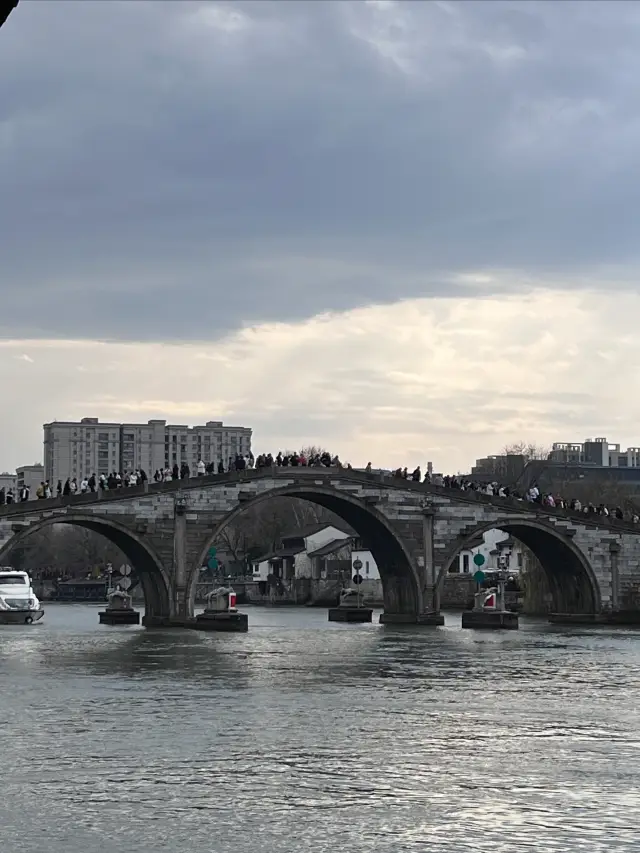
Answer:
(415, 531)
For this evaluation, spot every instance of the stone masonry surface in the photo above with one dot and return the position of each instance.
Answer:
(609, 548)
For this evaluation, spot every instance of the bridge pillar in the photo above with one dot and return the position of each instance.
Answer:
(614, 549)
(431, 593)
(400, 604)
(415, 600)
(180, 604)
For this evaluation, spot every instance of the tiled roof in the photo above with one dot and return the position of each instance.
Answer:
(310, 529)
(263, 557)
(330, 547)
(288, 552)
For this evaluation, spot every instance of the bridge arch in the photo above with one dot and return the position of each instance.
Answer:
(402, 590)
(572, 581)
(152, 574)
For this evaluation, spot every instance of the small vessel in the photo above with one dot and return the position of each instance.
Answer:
(19, 604)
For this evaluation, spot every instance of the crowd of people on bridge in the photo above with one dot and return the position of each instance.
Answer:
(320, 459)
(295, 460)
(531, 495)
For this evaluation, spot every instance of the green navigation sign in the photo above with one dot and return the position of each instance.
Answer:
(212, 551)
(213, 563)
(479, 576)
(479, 560)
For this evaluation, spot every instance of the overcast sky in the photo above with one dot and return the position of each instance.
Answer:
(405, 231)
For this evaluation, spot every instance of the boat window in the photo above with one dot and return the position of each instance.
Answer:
(13, 580)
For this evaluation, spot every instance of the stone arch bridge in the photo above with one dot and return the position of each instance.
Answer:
(414, 530)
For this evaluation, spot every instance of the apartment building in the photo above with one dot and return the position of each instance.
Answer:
(26, 475)
(30, 476)
(597, 451)
(85, 447)
(8, 481)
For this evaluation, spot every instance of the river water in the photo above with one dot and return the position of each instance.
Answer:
(305, 736)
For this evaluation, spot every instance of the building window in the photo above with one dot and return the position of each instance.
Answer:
(366, 567)
(465, 562)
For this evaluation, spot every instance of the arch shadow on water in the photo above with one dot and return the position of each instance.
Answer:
(138, 551)
(402, 590)
(572, 582)
(151, 655)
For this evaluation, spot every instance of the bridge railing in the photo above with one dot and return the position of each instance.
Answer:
(387, 481)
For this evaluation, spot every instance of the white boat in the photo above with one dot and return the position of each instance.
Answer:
(19, 604)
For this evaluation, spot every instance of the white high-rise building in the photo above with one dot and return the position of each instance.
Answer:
(81, 448)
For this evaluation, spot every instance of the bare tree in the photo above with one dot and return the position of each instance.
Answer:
(66, 550)
(313, 450)
(527, 449)
(233, 538)
(261, 528)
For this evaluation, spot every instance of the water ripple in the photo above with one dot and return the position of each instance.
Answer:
(303, 734)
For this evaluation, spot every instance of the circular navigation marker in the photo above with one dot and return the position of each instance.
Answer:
(125, 570)
(357, 579)
(212, 564)
(212, 552)
(357, 565)
(479, 576)
(125, 583)
(479, 560)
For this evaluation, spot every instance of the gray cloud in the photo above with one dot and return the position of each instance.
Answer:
(174, 170)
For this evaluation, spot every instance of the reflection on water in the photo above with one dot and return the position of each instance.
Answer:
(306, 734)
